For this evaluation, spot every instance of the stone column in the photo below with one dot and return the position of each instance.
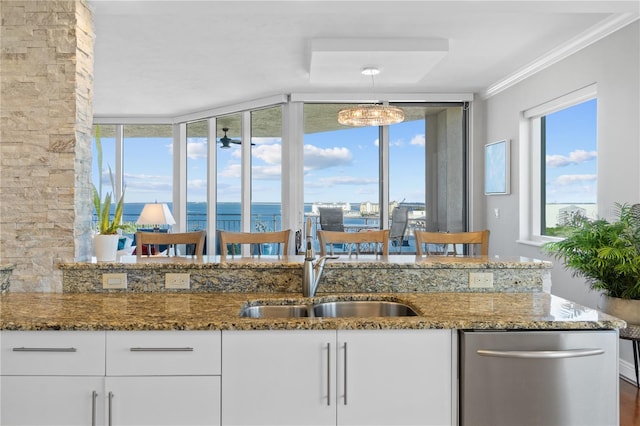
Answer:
(46, 86)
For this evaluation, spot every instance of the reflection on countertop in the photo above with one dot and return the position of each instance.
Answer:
(220, 311)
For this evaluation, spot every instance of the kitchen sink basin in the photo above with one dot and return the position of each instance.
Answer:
(275, 311)
(362, 308)
(335, 309)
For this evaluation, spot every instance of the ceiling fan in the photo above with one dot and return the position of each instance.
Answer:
(227, 141)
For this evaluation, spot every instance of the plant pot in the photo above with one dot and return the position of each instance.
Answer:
(106, 247)
(625, 309)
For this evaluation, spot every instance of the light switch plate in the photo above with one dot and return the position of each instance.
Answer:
(114, 281)
(481, 279)
(177, 281)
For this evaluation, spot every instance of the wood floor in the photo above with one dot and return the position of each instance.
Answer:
(629, 404)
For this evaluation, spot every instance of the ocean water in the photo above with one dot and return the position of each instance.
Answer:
(264, 216)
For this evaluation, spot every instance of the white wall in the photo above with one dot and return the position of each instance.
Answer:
(612, 63)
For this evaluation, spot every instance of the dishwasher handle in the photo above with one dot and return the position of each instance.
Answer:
(572, 353)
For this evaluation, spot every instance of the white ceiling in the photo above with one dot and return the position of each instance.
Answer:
(171, 58)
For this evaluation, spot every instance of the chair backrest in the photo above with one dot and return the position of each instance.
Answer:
(442, 238)
(399, 219)
(280, 237)
(331, 219)
(364, 237)
(170, 239)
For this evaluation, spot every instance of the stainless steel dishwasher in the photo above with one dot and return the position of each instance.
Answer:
(539, 378)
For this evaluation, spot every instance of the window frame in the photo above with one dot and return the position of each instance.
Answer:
(531, 162)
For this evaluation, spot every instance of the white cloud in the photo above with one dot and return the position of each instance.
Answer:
(564, 180)
(418, 140)
(270, 154)
(231, 171)
(196, 150)
(273, 172)
(574, 157)
(320, 158)
(266, 140)
(197, 184)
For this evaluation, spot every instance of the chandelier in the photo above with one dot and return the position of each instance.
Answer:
(370, 114)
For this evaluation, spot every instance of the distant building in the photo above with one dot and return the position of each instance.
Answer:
(566, 213)
(368, 208)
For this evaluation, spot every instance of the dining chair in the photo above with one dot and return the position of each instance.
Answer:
(451, 238)
(195, 238)
(399, 221)
(331, 219)
(254, 238)
(380, 237)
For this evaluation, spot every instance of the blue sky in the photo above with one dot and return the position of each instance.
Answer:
(342, 165)
(571, 156)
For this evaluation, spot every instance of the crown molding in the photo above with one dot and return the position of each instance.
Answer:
(590, 36)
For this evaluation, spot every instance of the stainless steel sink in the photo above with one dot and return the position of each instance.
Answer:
(335, 309)
(362, 308)
(275, 311)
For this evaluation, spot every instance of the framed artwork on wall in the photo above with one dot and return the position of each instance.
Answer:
(496, 168)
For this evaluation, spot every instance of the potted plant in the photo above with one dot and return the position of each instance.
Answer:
(607, 255)
(106, 241)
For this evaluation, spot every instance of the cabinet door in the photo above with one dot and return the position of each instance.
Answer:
(162, 400)
(51, 401)
(279, 377)
(394, 377)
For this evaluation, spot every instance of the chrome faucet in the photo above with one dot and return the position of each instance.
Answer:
(312, 272)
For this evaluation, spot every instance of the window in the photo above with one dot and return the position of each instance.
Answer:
(223, 182)
(563, 137)
(266, 170)
(418, 164)
(197, 146)
(147, 170)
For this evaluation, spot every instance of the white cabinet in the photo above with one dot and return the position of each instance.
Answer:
(278, 377)
(110, 378)
(51, 378)
(360, 377)
(394, 377)
(163, 401)
(159, 378)
(51, 400)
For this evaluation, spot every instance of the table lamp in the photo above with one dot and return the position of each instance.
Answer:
(156, 214)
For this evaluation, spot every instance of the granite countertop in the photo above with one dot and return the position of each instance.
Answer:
(296, 262)
(220, 311)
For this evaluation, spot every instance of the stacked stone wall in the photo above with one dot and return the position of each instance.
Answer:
(46, 85)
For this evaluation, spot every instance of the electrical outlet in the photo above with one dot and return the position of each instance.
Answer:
(177, 281)
(114, 281)
(481, 279)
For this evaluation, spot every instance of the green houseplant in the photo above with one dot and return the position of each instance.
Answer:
(106, 241)
(607, 255)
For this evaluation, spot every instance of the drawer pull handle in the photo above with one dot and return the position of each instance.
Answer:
(45, 349)
(186, 349)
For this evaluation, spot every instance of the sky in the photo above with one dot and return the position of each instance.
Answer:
(571, 156)
(342, 165)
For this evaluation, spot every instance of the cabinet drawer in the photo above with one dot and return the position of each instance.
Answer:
(163, 353)
(79, 353)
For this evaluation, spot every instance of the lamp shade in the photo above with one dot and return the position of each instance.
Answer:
(156, 214)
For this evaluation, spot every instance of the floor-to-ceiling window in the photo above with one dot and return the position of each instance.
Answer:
(147, 171)
(196, 175)
(366, 171)
(229, 172)
(266, 171)
(341, 168)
